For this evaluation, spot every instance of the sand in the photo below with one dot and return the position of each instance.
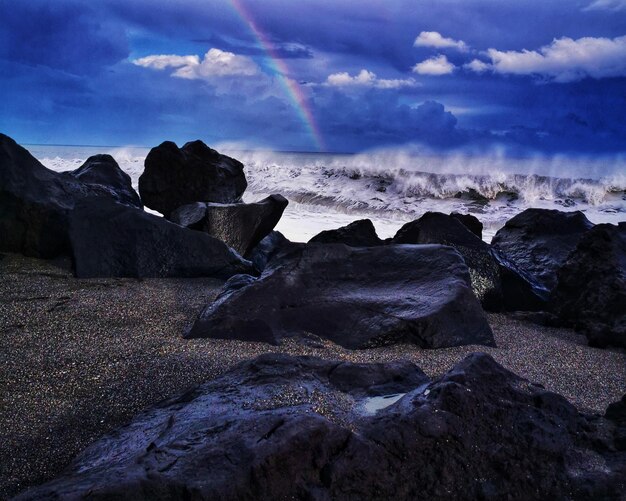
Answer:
(79, 358)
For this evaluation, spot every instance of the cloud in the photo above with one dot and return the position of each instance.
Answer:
(367, 78)
(216, 63)
(564, 60)
(613, 5)
(435, 66)
(434, 39)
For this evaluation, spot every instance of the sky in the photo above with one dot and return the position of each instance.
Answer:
(317, 75)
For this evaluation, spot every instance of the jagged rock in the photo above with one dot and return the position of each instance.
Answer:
(35, 202)
(591, 290)
(281, 427)
(113, 240)
(103, 171)
(267, 249)
(357, 297)
(241, 226)
(359, 233)
(438, 228)
(472, 223)
(538, 241)
(175, 177)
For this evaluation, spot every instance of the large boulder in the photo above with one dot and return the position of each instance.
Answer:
(281, 427)
(359, 233)
(103, 171)
(357, 297)
(267, 248)
(113, 240)
(35, 202)
(591, 290)
(538, 241)
(472, 223)
(438, 228)
(241, 226)
(174, 177)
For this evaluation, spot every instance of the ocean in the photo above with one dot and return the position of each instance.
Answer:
(394, 186)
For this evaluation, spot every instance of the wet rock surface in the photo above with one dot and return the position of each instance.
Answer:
(591, 290)
(104, 172)
(35, 202)
(472, 223)
(174, 177)
(267, 249)
(359, 233)
(538, 241)
(241, 226)
(281, 427)
(355, 297)
(112, 240)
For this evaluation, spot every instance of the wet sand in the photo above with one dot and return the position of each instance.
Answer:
(79, 358)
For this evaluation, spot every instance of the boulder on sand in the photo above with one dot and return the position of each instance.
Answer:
(241, 226)
(174, 177)
(35, 202)
(357, 297)
(267, 249)
(103, 171)
(281, 427)
(538, 241)
(591, 290)
(112, 240)
(359, 233)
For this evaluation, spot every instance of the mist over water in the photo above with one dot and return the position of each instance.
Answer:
(394, 186)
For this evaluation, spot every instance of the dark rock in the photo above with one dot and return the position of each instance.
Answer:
(175, 177)
(538, 241)
(472, 223)
(267, 249)
(113, 240)
(241, 226)
(103, 171)
(520, 291)
(616, 412)
(357, 297)
(35, 202)
(438, 228)
(281, 427)
(359, 233)
(591, 290)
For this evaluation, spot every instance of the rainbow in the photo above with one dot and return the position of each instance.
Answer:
(292, 88)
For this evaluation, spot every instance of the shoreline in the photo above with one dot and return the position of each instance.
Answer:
(81, 357)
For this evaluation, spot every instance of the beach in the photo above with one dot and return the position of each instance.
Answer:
(81, 357)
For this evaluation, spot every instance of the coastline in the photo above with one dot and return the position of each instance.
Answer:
(80, 357)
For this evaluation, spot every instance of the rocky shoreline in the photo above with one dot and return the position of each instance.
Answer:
(472, 345)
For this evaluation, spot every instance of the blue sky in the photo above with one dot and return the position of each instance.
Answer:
(338, 75)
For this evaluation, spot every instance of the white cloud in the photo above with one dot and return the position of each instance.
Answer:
(477, 65)
(613, 5)
(435, 66)
(367, 78)
(564, 60)
(216, 63)
(434, 39)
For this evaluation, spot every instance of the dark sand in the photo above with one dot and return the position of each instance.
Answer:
(79, 358)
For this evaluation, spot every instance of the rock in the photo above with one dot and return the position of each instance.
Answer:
(472, 223)
(267, 249)
(520, 292)
(538, 241)
(281, 427)
(241, 226)
(103, 171)
(175, 177)
(438, 228)
(359, 233)
(35, 202)
(113, 240)
(616, 412)
(591, 290)
(357, 297)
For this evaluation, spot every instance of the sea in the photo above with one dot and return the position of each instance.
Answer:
(394, 186)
